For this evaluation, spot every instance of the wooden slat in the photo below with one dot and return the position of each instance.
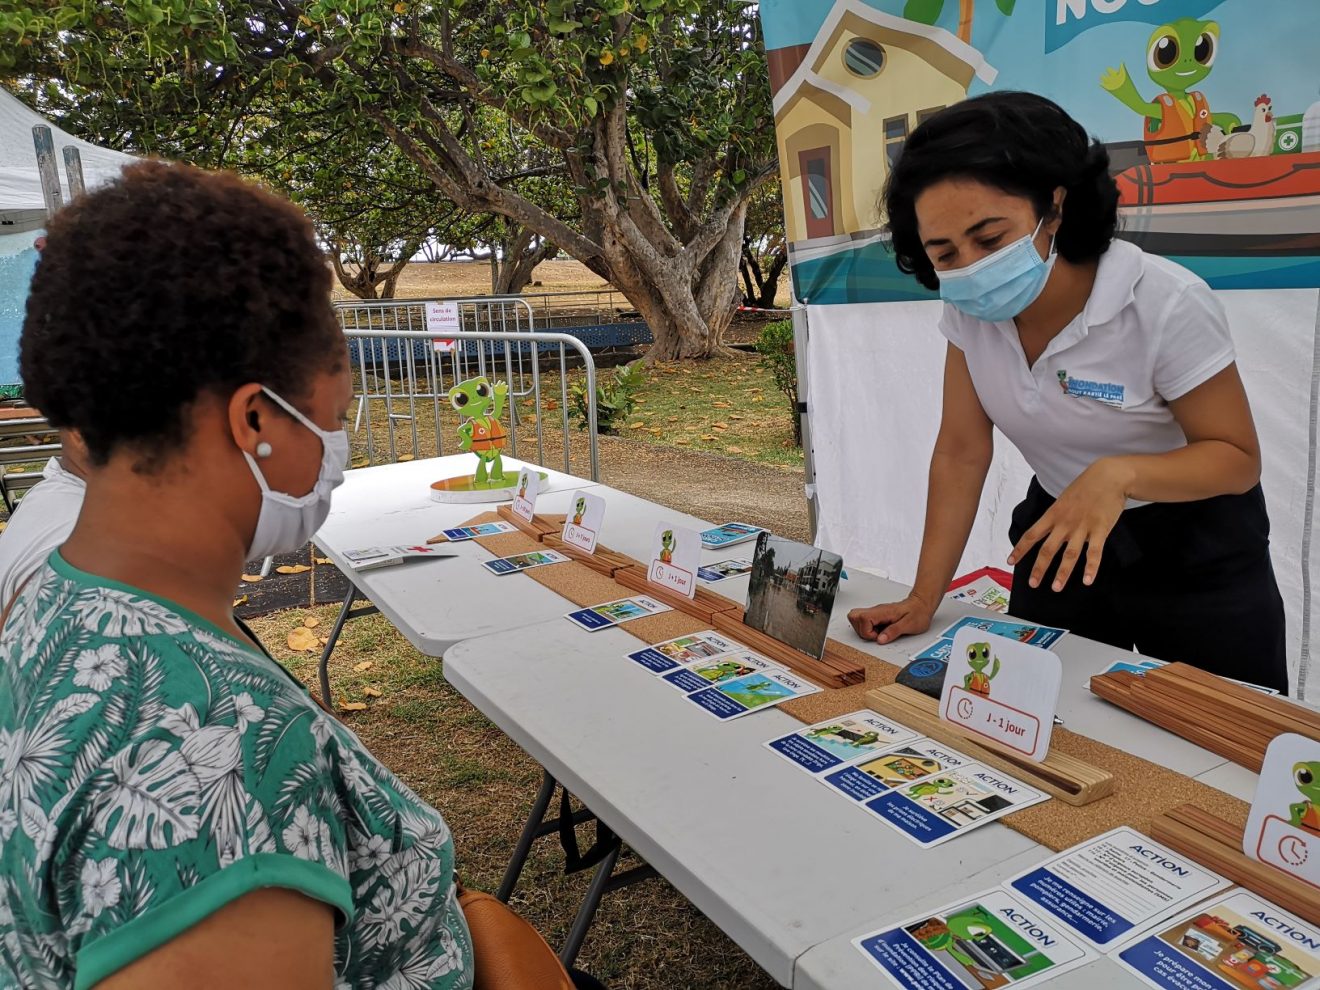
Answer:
(1217, 845)
(704, 605)
(603, 561)
(537, 529)
(1067, 778)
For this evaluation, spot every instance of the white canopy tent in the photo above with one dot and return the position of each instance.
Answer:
(23, 208)
(21, 198)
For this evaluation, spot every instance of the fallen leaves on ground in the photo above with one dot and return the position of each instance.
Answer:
(351, 706)
(240, 600)
(323, 560)
(721, 405)
(710, 436)
(311, 621)
(371, 692)
(405, 457)
(636, 426)
(364, 665)
(293, 568)
(719, 426)
(251, 578)
(361, 462)
(733, 450)
(303, 640)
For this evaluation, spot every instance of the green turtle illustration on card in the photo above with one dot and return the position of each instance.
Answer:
(675, 559)
(1283, 829)
(582, 526)
(524, 499)
(1003, 690)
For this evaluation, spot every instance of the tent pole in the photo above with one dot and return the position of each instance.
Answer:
(801, 335)
(73, 172)
(47, 168)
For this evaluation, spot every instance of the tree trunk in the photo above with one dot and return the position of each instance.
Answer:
(368, 275)
(770, 283)
(521, 254)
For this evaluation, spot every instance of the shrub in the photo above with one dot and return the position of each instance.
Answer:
(616, 395)
(775, 345)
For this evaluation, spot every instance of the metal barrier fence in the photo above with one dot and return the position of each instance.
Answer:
(402, 380)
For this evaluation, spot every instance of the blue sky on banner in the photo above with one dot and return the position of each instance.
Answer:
(1268, 46)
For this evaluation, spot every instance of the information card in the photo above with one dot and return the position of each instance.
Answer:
(1117, 884)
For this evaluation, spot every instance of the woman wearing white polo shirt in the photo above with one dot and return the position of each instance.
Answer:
(1111, 370)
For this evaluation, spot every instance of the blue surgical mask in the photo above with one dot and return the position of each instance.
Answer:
(1000, 285)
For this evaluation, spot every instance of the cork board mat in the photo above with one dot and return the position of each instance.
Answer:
(1144, 790)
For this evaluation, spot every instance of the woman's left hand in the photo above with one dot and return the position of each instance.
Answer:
(1083, 516)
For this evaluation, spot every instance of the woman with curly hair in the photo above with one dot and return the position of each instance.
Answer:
(1111, 370)
(175, 809)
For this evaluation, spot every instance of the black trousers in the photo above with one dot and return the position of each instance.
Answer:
(1190, 582)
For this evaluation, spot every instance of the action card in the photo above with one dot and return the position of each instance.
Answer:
(897, 766)
(1232, 942)
(523, 561)
(945, 805)
(1113, 886)
(1002, 690)
(613, 613)
(829, 744)
(1023, 632)
(664, 657)
(717, 670)
(992, 940)
(1283, 828)
(751, 693)
(724, 569)
(675, 558)
(524, 500)
(582, 527)
(728, 535)
(462, 533)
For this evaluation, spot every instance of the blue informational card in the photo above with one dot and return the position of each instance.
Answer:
(1231, 942)
(1114, 885)
(730, 534)
(751, 693)
(673, 653)
(832, 743)
(1023, 632)
(988, 940)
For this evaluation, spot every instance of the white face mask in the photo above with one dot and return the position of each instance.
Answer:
(286, 522)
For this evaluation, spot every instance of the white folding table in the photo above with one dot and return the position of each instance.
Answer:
(786, 868)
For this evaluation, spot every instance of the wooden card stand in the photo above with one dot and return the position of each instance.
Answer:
(603, 561)
(1226, 718)
(833, 670)
(704, 606)
(1217, 845)
(1065, 777)
(538, 529)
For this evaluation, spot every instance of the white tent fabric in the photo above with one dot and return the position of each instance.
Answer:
(20, 186)
(875, 378)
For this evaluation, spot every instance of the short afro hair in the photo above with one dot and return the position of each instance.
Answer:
(168, 284)
(1020, 143)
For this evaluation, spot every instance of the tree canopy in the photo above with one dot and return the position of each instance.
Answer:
(656, 113)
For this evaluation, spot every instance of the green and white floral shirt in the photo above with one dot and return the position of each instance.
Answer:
(154, 769)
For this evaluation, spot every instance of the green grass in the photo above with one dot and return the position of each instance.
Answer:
(725, 406)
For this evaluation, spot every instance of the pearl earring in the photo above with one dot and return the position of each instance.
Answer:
(263, 449)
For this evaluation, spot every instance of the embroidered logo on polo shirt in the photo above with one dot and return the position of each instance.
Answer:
(1106, 392)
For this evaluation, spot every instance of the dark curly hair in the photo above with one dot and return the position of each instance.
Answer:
(1020, 143)
(168, 284)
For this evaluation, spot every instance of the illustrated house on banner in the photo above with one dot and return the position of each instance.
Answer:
(845, 104)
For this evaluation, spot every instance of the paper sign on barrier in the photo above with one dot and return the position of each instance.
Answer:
(442, 317)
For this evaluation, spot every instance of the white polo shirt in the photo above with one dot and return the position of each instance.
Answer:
(1150, 333)
(43, 520)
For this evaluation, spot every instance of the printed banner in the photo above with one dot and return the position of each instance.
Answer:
(1209, 110)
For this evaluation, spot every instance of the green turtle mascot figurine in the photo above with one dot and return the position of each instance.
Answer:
(482, 433)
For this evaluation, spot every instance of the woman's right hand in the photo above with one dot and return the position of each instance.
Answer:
(885, 623)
